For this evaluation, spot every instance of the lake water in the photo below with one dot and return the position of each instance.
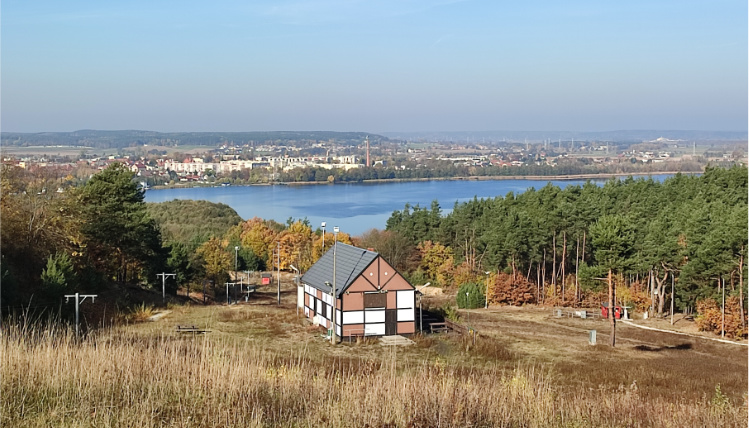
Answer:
(355, 207)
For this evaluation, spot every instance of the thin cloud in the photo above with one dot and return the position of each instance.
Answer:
(310, 12)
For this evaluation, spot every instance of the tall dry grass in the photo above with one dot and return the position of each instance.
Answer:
(115, 378)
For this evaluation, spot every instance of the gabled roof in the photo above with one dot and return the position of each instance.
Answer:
(350, 262)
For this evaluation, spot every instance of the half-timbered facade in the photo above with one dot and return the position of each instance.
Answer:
(372, 298)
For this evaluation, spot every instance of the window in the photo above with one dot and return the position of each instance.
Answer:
(375, 300)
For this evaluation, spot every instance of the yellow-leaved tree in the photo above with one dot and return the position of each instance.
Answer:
(437, 262)
(295, 246)
(260, 236)
(216, 260)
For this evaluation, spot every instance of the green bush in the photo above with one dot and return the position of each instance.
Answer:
(475, 296)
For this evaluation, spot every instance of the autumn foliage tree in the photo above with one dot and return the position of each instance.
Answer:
(295, 246)
(217, 261)
(437, 262)
(508, 289)
(710, 317)
(260, 236)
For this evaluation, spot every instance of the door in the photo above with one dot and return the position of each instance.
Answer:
(391, 322)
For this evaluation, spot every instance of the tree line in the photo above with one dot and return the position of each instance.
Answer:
(561, 245)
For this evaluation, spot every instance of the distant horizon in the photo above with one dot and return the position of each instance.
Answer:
(387, 132)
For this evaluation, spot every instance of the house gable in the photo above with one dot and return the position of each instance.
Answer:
(360, 284)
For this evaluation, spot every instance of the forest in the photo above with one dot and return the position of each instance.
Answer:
(430, 169)
(546, 246)
(555, 246)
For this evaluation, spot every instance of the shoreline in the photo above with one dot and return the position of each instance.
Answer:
(469, 178)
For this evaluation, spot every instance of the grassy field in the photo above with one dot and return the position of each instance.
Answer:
(262, 365)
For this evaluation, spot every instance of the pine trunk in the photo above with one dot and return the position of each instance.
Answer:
(564, 261)
(577, 268)
(554, 263)
(741, 288)
(543, 279)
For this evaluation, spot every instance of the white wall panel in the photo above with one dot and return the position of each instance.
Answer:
(353, 317)
(404, 299)
(374, 316)
(406, 314)
(318, 307)
(374, 329)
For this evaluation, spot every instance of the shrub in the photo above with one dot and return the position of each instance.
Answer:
(141, 313)
(449, 311)
(710, 317)
(471, 296)
(509, 290)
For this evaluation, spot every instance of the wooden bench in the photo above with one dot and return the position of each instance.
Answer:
(190, 329)
(438, 327)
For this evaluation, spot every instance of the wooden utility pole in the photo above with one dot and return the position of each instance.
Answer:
(554, 263)
(672, 298)
(564, 261)
(577, 267)
(333, 338)
(723, 310)
(278, 270)
(741, 286)
(612, 318)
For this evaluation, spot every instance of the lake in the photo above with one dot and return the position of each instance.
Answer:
(355, 207)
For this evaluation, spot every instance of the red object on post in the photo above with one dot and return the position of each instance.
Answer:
(605, 311)
(266, 278)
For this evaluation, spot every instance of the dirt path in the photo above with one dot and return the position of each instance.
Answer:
(683, 334)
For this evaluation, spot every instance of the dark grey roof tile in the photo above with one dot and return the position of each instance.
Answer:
(350, 262)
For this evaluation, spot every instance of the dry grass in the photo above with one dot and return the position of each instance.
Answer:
(144, 376)
(140, 313)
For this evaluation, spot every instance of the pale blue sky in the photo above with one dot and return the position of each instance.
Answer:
(375, 66)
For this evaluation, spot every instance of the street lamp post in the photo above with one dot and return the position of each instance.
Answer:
(323, 237)
(335, 246)
(247, 296)
(296, 279)
(486, 295)
(468, 310)
(236, 253)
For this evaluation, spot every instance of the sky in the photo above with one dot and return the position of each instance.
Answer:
(373, 66)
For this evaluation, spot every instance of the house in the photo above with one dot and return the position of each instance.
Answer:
(371, 298)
